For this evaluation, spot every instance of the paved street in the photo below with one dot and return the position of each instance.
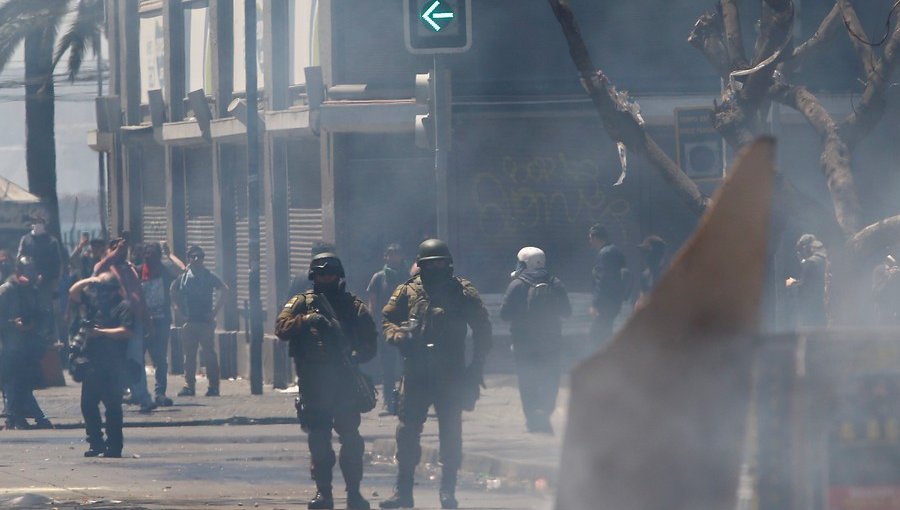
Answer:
(240, 451)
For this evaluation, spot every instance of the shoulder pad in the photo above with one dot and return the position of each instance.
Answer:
(467, 286)
(293, 301)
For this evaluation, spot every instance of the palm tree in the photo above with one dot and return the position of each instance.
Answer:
(37, 24)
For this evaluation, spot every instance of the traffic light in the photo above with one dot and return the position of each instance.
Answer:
(425, 123)
(438, 26)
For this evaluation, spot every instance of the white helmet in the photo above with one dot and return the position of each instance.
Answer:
(529, 258)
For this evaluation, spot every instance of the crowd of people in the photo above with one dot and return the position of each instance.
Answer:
(113, 304)
(110, 305)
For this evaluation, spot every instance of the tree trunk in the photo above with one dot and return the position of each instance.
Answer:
(40, 139)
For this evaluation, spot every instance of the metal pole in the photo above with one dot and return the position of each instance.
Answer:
(440, 150)
(101, 167)
(253, 197)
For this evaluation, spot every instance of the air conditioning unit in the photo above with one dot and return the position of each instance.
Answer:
(703, 159)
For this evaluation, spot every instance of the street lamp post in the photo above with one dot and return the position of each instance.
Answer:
(253, 196)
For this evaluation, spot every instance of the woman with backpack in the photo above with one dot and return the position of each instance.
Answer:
(535, 304)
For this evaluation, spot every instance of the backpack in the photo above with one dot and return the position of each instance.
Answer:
(540, 299)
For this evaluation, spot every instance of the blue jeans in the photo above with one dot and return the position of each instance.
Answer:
(157, 345)
(135, 352)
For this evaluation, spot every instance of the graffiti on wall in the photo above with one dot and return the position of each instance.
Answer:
(539, 192)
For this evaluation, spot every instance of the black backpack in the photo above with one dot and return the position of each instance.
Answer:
(540, 299)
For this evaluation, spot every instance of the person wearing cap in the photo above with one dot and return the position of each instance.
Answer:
(535, 304)
(428, 318)
(198, 295)
(653, 253)
(330, 332)
(381, 286)
(808, 288)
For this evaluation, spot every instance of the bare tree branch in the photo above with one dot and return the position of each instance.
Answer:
(706, 36)
(734, 39)
(854, 26)
(814, 44)
(870, 109)
(618, 119)
(776, 25)
(835, 159)
(877, 236)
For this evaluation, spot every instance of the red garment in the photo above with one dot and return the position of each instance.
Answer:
(129, 281)
(147, 273)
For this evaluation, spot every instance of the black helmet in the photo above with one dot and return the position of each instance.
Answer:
(433, 249)
(325, 263)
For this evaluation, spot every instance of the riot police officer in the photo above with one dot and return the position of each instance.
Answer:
(330, 331)
(428, 318)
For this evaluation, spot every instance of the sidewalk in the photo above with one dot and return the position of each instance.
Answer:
(496, 445)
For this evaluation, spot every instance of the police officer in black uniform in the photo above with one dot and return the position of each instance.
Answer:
(330, 331)
(428, 318)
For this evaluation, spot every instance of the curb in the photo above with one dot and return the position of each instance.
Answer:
(478, 464)
(234, 420)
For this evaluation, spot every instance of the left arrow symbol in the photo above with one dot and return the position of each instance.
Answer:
(430, 16)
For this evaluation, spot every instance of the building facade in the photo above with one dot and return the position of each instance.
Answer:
(529, 162)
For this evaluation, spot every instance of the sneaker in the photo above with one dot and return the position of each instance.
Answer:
(147, 408)
(163, 401)
(109, 454)
(212, 392)
(187, 391)
(94, 452)
(43, 424)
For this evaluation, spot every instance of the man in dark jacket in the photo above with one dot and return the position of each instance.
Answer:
(111, 325)
(534, 304)
(330, 331)
(428, 319)
(48, 257)
(22, 326)
(610, 284)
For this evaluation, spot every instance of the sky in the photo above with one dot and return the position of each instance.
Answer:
(76, 163)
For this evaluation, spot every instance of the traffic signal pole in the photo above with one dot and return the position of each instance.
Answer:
(441, 110)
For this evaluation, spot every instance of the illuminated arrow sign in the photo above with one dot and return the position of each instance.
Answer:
(437, 16)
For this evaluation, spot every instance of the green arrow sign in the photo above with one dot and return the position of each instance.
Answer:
(436, 15)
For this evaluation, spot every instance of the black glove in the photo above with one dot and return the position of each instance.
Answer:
(317, 320)
(302, 414)
(472, 383)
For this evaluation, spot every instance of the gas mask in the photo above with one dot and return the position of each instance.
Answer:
(435, 275)
(327, 288)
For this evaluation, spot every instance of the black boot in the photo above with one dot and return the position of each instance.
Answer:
(323, 500)
(403, 493)
(356, 501)
(400, 499)
(447, 493)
